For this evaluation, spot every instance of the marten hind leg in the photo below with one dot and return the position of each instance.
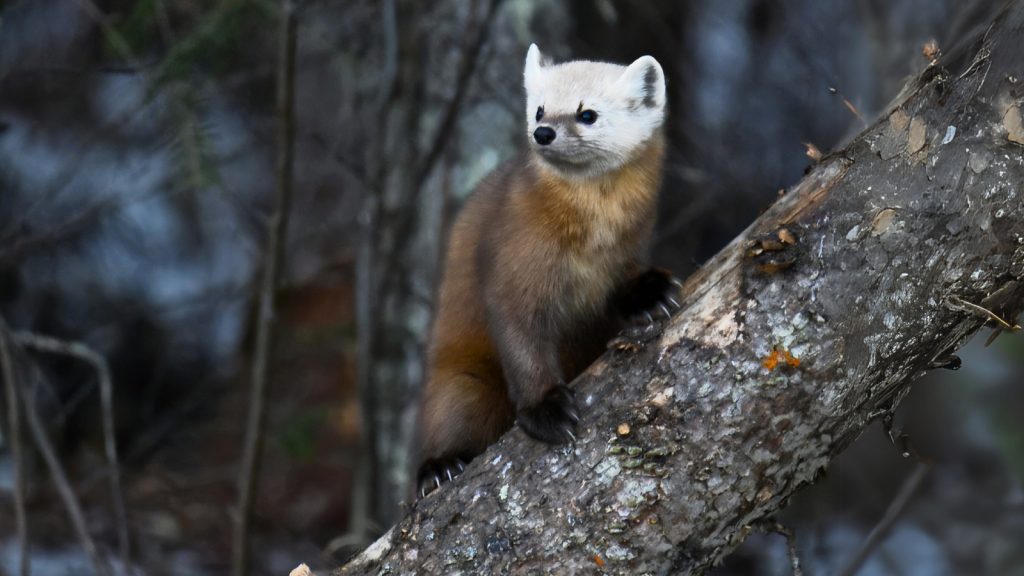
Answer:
(462, 415)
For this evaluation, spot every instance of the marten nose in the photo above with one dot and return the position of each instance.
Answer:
(544, 135)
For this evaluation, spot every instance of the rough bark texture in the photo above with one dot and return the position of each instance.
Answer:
(898, 234)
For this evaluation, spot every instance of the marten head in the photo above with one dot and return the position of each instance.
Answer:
(587, 118)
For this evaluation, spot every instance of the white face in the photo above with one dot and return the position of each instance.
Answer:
(593, 115)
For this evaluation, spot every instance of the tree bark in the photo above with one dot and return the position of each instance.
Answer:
(687, 438)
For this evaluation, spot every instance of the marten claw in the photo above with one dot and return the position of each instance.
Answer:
(553, 419)
(433, 472)
(649, 295)
(573, 415)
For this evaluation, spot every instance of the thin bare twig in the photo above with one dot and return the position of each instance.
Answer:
(14, 439)
(115, 38)
(790, 534)
(15, 247)
(877, 535)
(78, 223)
(365, 492)
(60, 477)
(985, 312)
(99, 364)
(472, 45)
(67, 175)
(470, 53)
(770, 525)
(273, 260)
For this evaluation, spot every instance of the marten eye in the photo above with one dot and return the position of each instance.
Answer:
(587, 117)
(540, 113)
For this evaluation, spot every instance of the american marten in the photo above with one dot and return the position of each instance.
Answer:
(546, 262)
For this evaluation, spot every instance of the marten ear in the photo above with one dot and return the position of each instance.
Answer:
(644, 81)
(534, 62)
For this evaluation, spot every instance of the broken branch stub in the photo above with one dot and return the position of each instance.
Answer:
(917, 210)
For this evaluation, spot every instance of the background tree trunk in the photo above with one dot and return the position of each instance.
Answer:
(401, 243)
(687, 439)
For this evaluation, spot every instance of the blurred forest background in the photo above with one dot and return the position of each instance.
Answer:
(136, 172)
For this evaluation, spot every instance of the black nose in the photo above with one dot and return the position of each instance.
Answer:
(544, 135)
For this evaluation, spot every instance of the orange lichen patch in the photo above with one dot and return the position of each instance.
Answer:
(598, 560)
(623, 429)
(777, 356)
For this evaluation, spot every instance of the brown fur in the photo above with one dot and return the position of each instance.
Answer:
(533, 263)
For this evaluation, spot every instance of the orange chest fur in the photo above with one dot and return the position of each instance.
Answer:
(592, 231)
(592, 220)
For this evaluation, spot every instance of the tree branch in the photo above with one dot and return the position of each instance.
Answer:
(919, 212)
(476, 35)
(790, 535)
(365, 493)
(99, 364)
(14, 439)
(272, 263)
(878, 533)
(60, 477)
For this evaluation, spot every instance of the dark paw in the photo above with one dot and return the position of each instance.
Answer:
(553, 419)
(437, 471)
(653, 295)
(773, 251)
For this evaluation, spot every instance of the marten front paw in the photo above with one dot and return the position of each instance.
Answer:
(553, 419)
(651, 295)
(437, 471)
